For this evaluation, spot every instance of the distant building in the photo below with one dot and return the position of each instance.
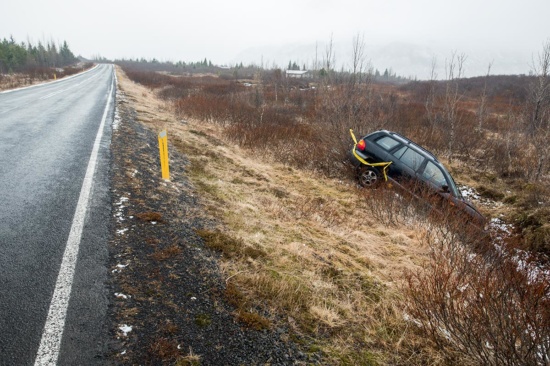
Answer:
(297, 73)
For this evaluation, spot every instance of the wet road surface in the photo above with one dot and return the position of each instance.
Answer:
(47, 136)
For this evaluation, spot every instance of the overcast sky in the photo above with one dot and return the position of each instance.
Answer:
(223, 31)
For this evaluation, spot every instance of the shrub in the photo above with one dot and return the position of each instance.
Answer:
(485, 307)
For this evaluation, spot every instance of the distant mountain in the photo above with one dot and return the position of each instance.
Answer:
(404, 59)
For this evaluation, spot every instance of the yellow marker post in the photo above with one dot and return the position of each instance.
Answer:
(163, 149)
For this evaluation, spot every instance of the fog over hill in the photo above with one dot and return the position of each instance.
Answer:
(404, 59)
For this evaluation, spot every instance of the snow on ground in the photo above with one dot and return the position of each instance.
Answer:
(523, 259)
(125, 329)
(120, 98)
(119, 213)
(500, 231)
(122, 231)
(469, 193)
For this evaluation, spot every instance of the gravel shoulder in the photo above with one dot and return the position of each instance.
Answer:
(168, 299)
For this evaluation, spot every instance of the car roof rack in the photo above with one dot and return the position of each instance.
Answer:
(409, 141)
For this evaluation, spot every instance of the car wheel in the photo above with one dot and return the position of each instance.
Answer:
(369, 177)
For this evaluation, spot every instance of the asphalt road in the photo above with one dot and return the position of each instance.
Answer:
(47, 136)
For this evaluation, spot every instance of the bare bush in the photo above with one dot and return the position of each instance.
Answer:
(479, 306)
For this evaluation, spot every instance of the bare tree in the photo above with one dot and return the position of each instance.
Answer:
(539, 105)
(358, 96)
(316, 61)
(358, 59)
(454, 70)
(540, 90)
(277, 79)
(329, 60)
(429, 105)
(482, 110)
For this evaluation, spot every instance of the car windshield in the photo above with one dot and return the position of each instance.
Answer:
(452, 187)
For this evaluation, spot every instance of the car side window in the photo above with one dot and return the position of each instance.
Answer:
(400, 152)
(387, 143)
(412, 159)
(434, 174)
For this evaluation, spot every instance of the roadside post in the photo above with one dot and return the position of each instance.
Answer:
(163, 149)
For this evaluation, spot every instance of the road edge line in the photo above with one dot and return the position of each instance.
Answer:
(50, 343)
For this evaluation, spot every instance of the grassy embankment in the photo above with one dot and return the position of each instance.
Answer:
(297, 248)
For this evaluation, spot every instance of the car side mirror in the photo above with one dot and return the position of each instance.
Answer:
(445, 188)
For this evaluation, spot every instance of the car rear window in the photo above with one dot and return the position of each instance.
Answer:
(387, 143)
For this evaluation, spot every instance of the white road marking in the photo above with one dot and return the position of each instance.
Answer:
(69, 88)
(50, 344)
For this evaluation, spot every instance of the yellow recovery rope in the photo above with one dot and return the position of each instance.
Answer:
(385, 165)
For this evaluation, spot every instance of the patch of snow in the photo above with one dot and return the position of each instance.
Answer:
(469, 193)
(534, 271)
(121, 231)
(121, 296)
(122, 265)
(122, 200)
(116, 120)
(500, 229)
(125, 329)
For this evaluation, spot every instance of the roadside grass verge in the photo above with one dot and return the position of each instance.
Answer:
(298, 250)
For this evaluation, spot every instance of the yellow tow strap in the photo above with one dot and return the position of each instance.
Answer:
(385, 165)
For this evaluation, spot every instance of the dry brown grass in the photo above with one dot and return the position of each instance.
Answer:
(149, 216)
(327, 268)
(169, 252)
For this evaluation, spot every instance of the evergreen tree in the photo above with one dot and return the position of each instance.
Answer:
(25, 57)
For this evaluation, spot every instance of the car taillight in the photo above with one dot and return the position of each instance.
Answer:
(361, 145)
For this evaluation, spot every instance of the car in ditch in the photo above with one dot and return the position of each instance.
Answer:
(385, 156)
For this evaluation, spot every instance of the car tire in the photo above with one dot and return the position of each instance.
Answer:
(368, 177)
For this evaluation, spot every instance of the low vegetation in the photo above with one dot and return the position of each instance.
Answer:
(371, 277)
